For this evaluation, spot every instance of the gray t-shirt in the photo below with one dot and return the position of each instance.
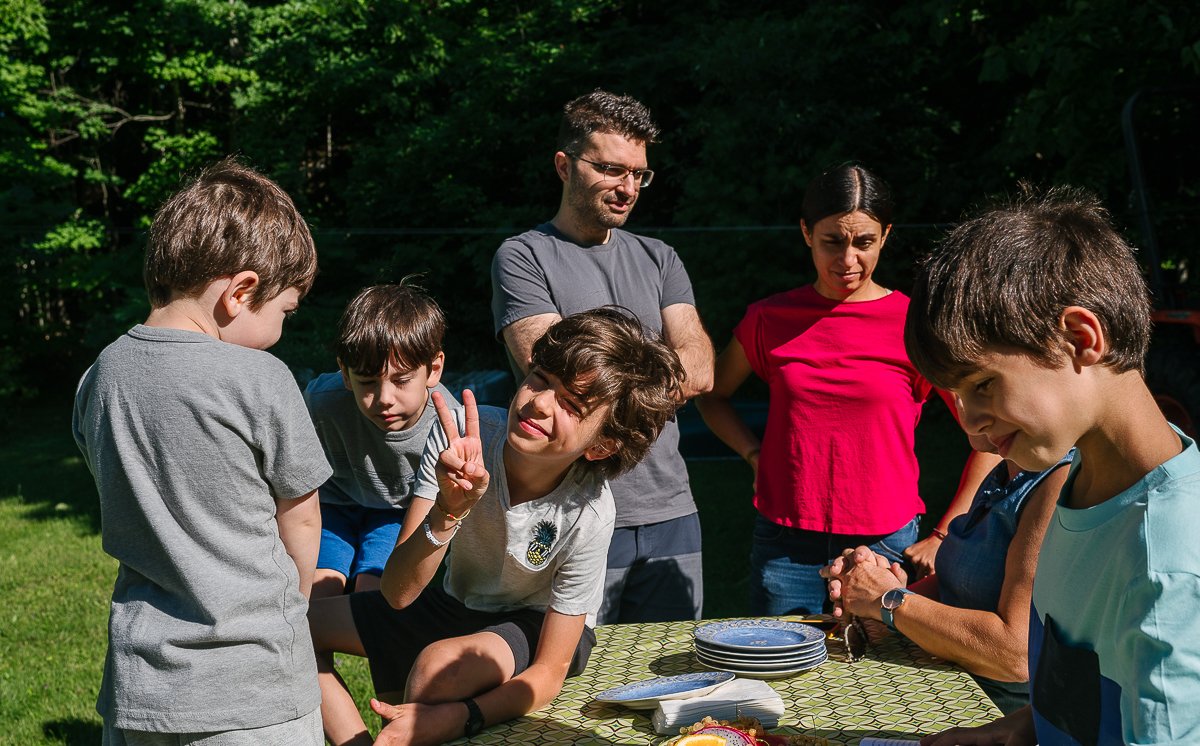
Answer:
(548, 553)
(190, 441)
(371, 468)
(541, 271)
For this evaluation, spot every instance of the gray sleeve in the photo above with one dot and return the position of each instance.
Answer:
(427, 485)
(676, 285)
(293, 461)
(77, 415)
(519, 286)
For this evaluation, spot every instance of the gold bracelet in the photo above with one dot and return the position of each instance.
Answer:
(449, 515)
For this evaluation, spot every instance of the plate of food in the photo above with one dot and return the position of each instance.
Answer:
(740, 732)
(647, 694)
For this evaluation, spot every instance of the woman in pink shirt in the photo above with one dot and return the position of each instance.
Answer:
(835, 468)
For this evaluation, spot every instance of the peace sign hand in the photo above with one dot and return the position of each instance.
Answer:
(462, 477)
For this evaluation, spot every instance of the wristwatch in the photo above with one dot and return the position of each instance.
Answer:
(889, 603)
(474, 719)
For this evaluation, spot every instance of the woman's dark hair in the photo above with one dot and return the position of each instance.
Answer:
(847, 188)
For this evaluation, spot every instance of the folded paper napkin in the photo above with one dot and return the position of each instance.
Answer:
(737, 698)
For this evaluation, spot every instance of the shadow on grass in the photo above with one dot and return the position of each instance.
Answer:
(41, 467)
(73, 731)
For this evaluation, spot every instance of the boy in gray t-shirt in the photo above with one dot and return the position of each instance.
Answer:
(523, 501)
(207, 467)
(373, 417)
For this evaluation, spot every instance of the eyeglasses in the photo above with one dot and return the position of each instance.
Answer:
(612, 172)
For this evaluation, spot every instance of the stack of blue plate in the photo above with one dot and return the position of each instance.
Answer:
(760, 648)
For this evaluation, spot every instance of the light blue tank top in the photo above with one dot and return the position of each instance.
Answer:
(970, 562)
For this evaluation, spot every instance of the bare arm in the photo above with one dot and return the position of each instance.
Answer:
(978, 466)
(462, 481)
(685, 334)
(732, 369)
(520, 335)
(538, 685)
(299, 523)
(992, 644)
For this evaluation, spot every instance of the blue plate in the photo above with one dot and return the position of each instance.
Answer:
(769, 673)
(649, 692)
(759, 634)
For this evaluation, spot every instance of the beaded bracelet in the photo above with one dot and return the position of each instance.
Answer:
(433, 539)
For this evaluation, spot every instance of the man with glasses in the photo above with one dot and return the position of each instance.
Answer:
(580, 260)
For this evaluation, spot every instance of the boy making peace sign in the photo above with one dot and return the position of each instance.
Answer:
(523, 498)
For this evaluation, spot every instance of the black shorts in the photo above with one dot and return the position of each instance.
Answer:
(393, 638)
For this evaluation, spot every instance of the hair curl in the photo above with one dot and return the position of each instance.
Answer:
(616, 361)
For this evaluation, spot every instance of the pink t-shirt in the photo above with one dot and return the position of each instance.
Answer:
(837, 455)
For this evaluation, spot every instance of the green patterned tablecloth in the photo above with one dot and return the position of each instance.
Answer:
(896, 691)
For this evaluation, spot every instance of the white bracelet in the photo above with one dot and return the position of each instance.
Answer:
(433, 539)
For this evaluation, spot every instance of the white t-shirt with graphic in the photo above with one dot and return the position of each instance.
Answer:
(548, 553)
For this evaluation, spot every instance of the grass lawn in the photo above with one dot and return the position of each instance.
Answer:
(55, 579)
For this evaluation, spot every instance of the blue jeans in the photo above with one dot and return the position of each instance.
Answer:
(784, 563)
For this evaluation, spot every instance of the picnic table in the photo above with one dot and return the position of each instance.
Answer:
(897, 691)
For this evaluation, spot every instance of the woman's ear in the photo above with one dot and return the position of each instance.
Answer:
(1085, 334)
(806, 232)
(887, 231)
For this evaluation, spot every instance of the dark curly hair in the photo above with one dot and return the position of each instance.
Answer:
(601, 111)
(614, 360)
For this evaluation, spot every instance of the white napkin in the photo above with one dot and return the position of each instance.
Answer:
(737, 698)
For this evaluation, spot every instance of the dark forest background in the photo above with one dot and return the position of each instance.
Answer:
(416, 135)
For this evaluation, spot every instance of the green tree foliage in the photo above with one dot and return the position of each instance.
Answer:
(417, 134)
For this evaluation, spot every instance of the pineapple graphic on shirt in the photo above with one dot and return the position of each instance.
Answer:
(544, 535)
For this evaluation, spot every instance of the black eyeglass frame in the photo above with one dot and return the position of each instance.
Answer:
(641, 176)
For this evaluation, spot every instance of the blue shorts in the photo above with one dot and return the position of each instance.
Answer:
(355, 539)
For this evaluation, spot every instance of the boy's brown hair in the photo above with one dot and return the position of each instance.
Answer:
(1003, 279)
(612, 359)
(601, 111)
(398, 324)
(228, 220)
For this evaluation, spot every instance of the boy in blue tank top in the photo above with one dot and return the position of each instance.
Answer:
(1036, 315)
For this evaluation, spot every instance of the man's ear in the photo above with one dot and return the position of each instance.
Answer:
(601, 450)
(345, 374)
(807, 233)
(435, 370)
(562, 166)
(1085, 334)
(236, 296)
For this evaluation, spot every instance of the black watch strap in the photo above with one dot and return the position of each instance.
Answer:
(474, 718)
